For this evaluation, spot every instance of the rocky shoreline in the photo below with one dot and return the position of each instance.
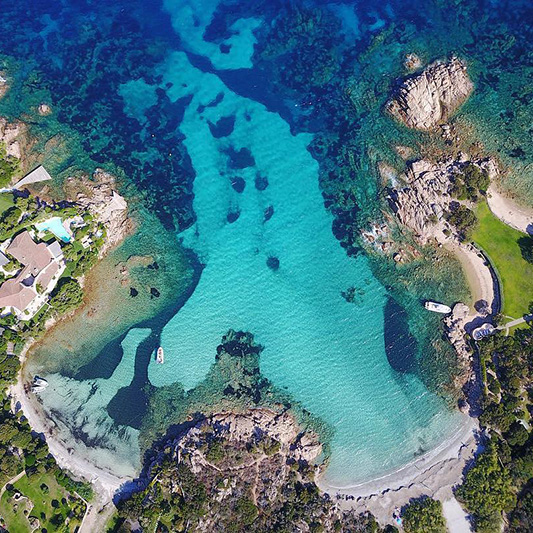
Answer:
(98, 195)
(426, 99)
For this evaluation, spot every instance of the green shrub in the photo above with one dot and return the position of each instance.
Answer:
(424, 516)
(246, 510)
(8, 167)
(487, 490)
(463, 219)
(67, 296)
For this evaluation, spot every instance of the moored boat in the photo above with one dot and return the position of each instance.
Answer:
(160, 356)
(437, 308)
(38, 385)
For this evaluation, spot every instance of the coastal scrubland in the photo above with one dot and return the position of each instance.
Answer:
(501, 243)
(500, 482)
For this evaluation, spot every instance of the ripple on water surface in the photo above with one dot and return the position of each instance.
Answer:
(328, 353)
(274, 268)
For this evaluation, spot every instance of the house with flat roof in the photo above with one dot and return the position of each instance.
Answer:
(42, 264)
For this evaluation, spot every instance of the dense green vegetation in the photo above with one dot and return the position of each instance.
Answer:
(463, 219)
(470, 183)
(501, 480)
(66, 296)
(502, 245)
(424, 516)
(487, 490)
(8, 167)
(176, 499)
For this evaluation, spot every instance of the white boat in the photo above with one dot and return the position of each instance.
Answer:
(160, 356)
(437, 308)
(38, 385)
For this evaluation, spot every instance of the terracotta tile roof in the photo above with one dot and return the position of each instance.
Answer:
(39, 267)
(14, 294)
(47, 274)
(32, 255)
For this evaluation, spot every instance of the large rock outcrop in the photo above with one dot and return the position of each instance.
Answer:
(10, 133)
(422, 197)
(100, 197)
(429, 98)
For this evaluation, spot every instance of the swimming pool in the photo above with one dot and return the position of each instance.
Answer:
(54, 225)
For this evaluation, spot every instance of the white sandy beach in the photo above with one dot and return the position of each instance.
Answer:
(104, 483)
(434, 474)
(477, 272)
(509, 211)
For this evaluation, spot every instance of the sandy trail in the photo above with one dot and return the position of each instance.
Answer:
(456, 518)
(508, 211)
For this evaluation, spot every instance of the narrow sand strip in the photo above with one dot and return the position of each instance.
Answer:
(478, 273)
(105, 483)
(508, 211)
(456, 518)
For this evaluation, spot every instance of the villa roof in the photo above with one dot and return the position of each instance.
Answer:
(39, 268)
(47, 274)
(3, 260)
(55, 249)
(14, 294)
(34, 256)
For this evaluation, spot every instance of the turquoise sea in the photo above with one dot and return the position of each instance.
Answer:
(246, 135)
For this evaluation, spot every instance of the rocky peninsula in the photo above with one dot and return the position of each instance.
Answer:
(238, 469)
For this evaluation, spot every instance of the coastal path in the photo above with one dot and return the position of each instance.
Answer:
(456, 518)
(516, 322)
(12, 481)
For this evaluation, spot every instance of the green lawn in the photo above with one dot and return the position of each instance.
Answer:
(6, 201)
(500, 243)
(49, 507)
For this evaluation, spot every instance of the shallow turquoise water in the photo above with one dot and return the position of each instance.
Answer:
(272, 264)
(327, 353)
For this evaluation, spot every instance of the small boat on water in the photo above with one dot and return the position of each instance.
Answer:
(437, 308)
(160, 356)
(38, 385)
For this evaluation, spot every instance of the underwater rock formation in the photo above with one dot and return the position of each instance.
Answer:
(425, 100)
